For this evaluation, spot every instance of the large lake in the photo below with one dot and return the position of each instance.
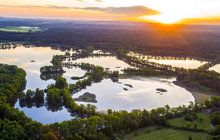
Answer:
(109, 95)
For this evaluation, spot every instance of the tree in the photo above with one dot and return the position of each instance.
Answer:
(54, 99)
(61, 83)
(49, 136)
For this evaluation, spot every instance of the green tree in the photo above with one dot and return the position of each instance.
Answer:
(61, 83)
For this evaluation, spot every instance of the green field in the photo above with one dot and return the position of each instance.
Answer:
(165, 134)
(202, 123)
(20, 29)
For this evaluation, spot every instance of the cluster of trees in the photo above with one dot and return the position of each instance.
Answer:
(214, 104)
(12, 80)
(32, 98)
(115, 124)
(51, 69)
(57, 60)
(94, 74)
(197, 78)
(59, 96)
(51, 72)
(145, 71)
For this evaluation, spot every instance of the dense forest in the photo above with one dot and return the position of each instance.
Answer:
(146, 38)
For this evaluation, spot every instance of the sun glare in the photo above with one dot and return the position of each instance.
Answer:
(162, 18)
(172, 11)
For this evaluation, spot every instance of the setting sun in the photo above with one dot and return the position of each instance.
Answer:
(160, 11)
(175, 11)
(162, 18)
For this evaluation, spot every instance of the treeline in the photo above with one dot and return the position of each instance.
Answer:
(94, 74)
(197, 78)
(149, 71)
(141, 37)
(13, 123)
(115, 124)
(32, 98)
(51, 69)
(12, 80)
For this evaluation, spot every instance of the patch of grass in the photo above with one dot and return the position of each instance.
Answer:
(20, 29)
(166, 134)
(142, 131)
(202, 122)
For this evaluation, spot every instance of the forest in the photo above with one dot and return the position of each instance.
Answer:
(141, 37)
(90, 124)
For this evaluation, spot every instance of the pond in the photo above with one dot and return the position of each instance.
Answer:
(216, 68)
(126, 94)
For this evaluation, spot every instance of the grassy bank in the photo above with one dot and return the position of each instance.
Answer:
(154, 133)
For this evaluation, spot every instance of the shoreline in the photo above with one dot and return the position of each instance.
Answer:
(199, 95)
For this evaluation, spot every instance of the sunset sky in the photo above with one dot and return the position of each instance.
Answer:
(162, 11)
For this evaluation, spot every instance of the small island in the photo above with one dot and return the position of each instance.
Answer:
(128, 85)
(87, 97)
(77, 78)
(161, 90)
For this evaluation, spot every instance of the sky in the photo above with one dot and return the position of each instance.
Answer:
(162, 11)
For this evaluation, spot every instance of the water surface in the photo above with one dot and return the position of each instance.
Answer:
(216, 68)
(179, 62)
(143, 94)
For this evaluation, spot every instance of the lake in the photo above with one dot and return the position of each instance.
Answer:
(178, 62)
(139, 93)
(142, 95)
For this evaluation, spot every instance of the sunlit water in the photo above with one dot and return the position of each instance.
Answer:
(185, 63)
(41, 56)
(143, 94)
(108, 62)
(216, 68)
(43, 115)
(109, 95)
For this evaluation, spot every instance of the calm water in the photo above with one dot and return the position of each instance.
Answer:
(143, 94)
(185, 63)
(109, 95)
(41, 56)
(108, 62)
(216, 68)
(45, 116)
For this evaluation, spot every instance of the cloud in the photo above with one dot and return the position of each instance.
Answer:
(133, 10)
(97, 13)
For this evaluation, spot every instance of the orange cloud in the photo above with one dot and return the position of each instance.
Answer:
(88, 13)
